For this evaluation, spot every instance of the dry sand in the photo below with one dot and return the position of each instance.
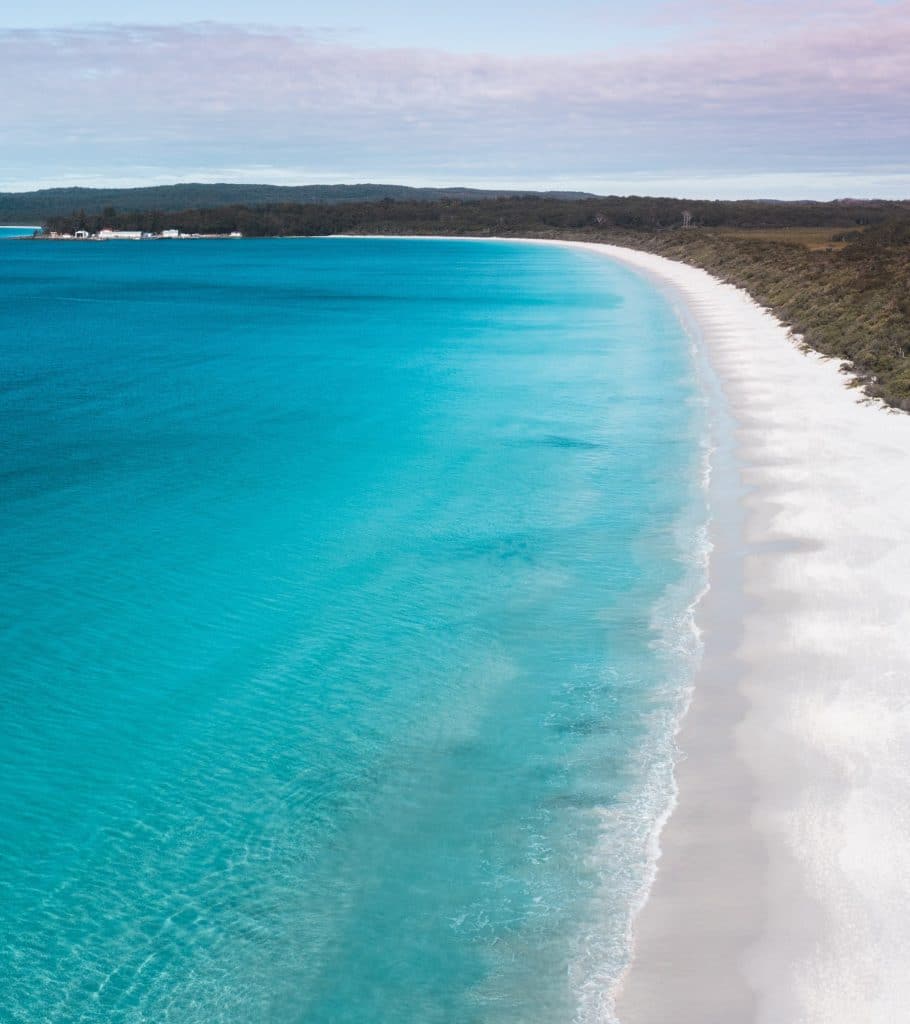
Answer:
(783, 887)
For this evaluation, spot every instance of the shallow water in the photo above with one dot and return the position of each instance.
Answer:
(343, 628)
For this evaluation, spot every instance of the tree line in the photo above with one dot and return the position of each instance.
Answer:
(506, 215)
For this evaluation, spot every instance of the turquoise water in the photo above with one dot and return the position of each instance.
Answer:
(343, 625)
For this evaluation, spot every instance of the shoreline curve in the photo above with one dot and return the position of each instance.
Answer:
(781, 889)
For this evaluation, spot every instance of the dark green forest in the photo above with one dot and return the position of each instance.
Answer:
(506, 215)
(36, 207)
(838, 273)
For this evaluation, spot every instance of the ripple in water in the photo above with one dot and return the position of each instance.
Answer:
(344, 628)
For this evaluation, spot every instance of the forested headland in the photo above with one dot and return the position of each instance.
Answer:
(838, 273)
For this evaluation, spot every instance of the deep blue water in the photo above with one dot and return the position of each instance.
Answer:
(343, 624)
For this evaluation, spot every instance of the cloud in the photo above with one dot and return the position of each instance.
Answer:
(804, 88)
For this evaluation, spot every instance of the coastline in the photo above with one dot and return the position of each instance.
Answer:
(782, 884)
(782, 868)
(780, 892)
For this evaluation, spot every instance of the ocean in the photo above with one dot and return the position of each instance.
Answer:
(345, 622)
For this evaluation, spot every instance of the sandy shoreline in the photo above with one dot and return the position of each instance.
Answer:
(782, 893)
(782, 888)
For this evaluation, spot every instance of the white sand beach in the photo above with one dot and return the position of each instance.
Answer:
(783, 886)
(782, 893)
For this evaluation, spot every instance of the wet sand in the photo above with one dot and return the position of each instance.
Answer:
(783, 885)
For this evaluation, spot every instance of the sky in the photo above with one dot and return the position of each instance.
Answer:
(744, 98)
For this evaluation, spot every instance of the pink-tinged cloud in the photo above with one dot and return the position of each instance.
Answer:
(807, 87)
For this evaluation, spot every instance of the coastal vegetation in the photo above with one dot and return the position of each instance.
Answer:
(850, 301)
(837, 273)
(35, 207)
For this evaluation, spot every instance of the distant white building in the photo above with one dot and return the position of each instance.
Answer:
(170, 233)
(81, 234)
(106, 234)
